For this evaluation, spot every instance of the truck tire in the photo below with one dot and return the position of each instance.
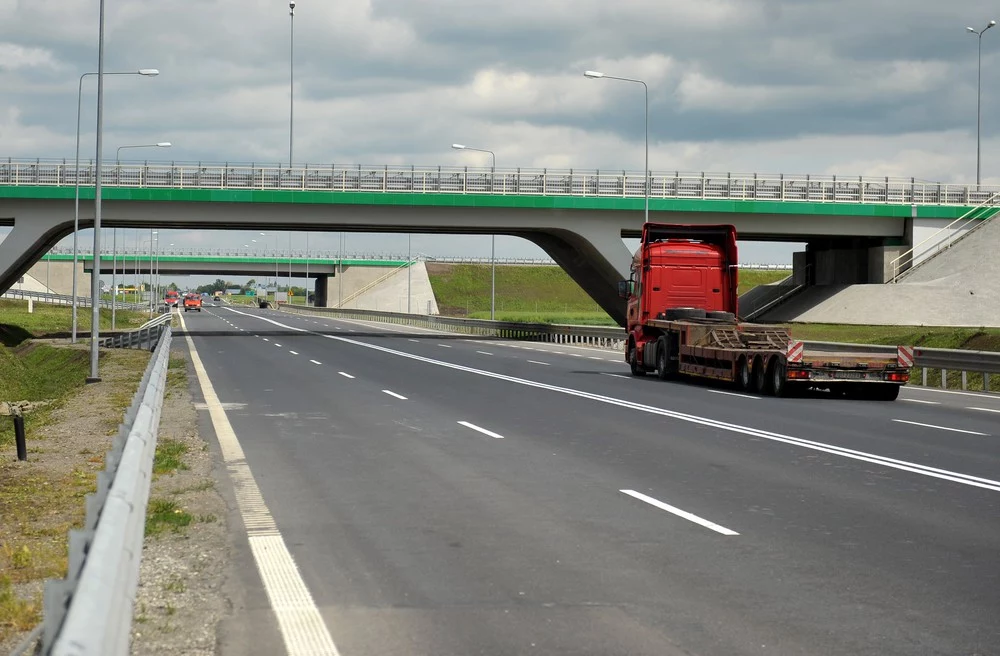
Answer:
(743, 378)
(663, 371)
(886, 392)
(675, 314)
(633, 361)
(720, 316)
(761, 380)
(779, 382)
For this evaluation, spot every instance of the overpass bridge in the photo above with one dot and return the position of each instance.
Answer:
(853, 226)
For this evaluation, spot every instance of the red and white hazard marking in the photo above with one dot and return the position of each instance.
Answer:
(795, 350)
(904, 356)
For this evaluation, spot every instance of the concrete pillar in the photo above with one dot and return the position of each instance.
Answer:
(321, 291)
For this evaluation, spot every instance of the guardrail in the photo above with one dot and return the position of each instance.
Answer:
(980, 363)
(90, 611)
(517, 181)
(145, 336)
(65, 299)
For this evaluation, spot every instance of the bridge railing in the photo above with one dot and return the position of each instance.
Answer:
(519, 181)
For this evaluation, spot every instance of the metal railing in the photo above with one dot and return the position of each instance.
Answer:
(771, 296)
(517, 181)
(982, 363)
(90, 611)
(65, 299)
(977, 217)
(145, 336)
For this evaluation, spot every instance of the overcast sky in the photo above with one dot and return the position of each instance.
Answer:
(846, 87)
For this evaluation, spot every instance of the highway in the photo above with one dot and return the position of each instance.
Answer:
(444, 494)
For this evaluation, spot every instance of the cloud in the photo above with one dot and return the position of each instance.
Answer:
(14, 57)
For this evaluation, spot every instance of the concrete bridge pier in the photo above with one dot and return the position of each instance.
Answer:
(28, 240)
(846, 261)
(321, 291)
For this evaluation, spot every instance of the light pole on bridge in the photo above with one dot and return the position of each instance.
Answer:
(493, 237)
(979, 92)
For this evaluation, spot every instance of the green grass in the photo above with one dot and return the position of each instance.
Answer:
(167, 458)
(163, 515)
(16, 614)
(581, 318)
(16, 325)
(975, 339)
(750, 278)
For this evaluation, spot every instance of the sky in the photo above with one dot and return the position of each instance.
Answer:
(845, 87)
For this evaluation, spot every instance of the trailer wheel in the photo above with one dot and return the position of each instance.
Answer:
(663, 360)
(743, 378)
(675, 314)
(886, 392)
(779, 385)
(761, 380)
(633, 361)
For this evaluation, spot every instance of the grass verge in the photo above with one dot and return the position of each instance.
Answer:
(166, 515)
(45, 320)
(167, 458)
(974, 339)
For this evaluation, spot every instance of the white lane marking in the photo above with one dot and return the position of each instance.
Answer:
(484, 352)
(593, 357)
(742, 396)
(266, 339)
(680, 513)
(441, 345)
(481, 430)
(345, 374)
(293, 352)
(277, 344)
(391, 393)
(885, 461)
(983, 409)
(299, 620)
(575, 355)
(921, 401)
(944, 428)
(315, 362)
(414, 341)
(546, 364)
(918, 388)
(337, 327)
(604, 373)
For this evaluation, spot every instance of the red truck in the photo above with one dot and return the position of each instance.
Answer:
(172, 299)
(192, 302)
(683, 320)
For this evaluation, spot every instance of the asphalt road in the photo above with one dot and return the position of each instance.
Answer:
(454, 495)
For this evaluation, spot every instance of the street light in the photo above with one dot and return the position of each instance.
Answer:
(291, 76)
(114, 246)
(493, 237)
(147, 72)
(979, 91)
(595, 75)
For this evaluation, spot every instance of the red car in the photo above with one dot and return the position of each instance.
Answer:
(192, 302)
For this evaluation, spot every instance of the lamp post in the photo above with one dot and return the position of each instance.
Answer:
(493, 237)
(147, 72)
(95, 278)
(114, 247)
(291, 78)
(595, 75)
(979, 91)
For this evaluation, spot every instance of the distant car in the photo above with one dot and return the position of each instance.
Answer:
(192, 302)
(172, 299)
(217, 299)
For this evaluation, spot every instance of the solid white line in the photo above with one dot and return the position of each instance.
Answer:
(743, 396)
(983, 409)
(345, 374)
(541, 363)
(921, 401)
(484, 353)
(293, 352)
(944, 428)
(315, 362)
(680, 513)
(301, 625)
(441, 345)
(481, 430)
(941, 391)
(892, 463)
(391, 393)
(604, 373)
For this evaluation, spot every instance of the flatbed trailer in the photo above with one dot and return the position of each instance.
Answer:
(764, 359)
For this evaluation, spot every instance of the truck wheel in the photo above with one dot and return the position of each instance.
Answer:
(743, 379)
(720, 316)
(675, 314)
(663, 360)
(761, 381)
(886, 392)
(779, 385)
(633, 361)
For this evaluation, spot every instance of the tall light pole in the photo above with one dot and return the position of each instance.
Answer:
(114, 247)
(409, 268)
(148, 72)
(645, 174)
(291, 78)
(979, 92)
(95, 278)
(493, 237)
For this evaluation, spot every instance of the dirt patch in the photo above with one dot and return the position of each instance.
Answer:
(180, 599)
(43, 498)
